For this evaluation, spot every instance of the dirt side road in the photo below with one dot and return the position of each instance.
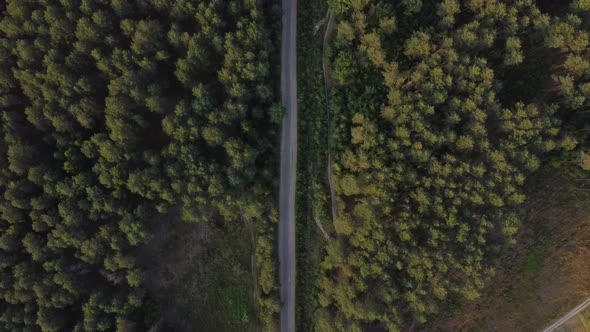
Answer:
(567, 316)
(288, 165)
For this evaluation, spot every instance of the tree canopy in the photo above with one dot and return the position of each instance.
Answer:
(115, 112)
(442, 110)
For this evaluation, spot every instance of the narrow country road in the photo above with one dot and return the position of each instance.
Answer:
(567, 316)
(288, 165)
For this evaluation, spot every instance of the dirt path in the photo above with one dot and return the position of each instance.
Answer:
(327, 85)
(288, 165)
(567, 316)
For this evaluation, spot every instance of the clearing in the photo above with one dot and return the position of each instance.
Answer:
(200, 274)
(546, 274)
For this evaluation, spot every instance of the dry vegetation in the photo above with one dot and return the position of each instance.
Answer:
(546, 273)
(200, 274)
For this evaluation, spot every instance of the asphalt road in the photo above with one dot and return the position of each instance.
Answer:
(288, 165)
(567, 316)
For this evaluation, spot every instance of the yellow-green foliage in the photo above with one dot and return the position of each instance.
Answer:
(435, 140)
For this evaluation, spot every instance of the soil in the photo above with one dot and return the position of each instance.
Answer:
(545, 274)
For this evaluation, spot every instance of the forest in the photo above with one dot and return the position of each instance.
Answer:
(140, 137)
(114, 115)
(440, 112)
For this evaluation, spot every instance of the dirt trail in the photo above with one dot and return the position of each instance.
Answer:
(327, 85)
(567, 316)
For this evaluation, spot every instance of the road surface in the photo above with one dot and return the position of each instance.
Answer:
(288, 165)
(567, 316)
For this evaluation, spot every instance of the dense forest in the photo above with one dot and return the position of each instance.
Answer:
(441, 110)
(115, 113)
(120, 118)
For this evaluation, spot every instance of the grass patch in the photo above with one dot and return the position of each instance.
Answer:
(585, 319)
(200, 275)
(228, 305)
(534, 260)
(535, 254)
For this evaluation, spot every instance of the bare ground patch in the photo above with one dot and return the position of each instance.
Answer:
(545, 274)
